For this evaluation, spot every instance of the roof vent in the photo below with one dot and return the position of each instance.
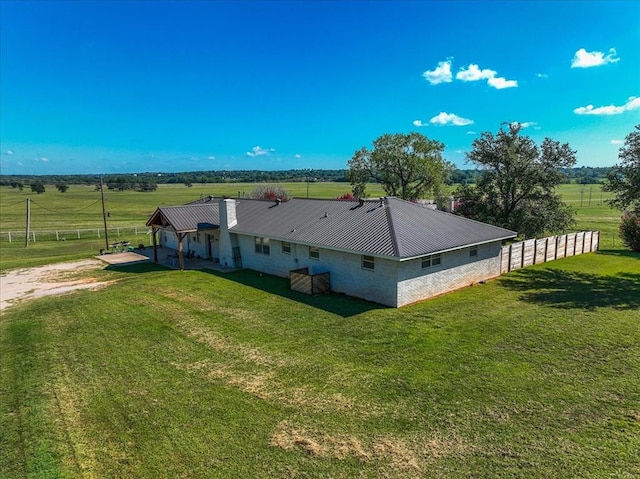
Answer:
(381, 200)
(361, 201)
(278, 201)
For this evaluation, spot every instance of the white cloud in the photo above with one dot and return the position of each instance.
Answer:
(211, 157)
(258, 151)
(9, 152)
(474, 73)
(444, 118)
(501, 82)
(441, 74)
(542, 75)
(419, 123)
(298, 156)
(617, 142)
(525, 124)
(471, 132)
(585, 59)
(633, 103)
(43, 159)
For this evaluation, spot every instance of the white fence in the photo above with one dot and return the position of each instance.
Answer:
(74, 234)
(534, 251)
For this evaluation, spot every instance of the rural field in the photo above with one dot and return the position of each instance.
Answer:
(199, 374)
(57, 219)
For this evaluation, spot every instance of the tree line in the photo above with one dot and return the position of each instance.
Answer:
(145, 181)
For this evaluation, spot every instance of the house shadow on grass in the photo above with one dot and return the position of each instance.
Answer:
(142, 267)
(335, 303)
(574, 290)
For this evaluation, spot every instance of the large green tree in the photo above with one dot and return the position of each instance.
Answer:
(407, 166)
(624, 180)
(516, 185)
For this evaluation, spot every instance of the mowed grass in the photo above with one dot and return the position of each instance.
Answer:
(195, 374)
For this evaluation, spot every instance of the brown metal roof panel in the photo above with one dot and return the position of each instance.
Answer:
(420, 230)
(192, 217)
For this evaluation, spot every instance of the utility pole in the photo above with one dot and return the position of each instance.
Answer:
(590, 191)
(26, 238)
(104, 214)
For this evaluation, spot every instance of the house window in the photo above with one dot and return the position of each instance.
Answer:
(262, 245)
(368, 262)
(286, 247)
(432, 260)
(473, 251)
(314, 252)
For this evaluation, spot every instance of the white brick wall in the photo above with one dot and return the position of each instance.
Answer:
(392, 283)
(456, 271)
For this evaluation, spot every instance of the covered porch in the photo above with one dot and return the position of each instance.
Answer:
(185, 237)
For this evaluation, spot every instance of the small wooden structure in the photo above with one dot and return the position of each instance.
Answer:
(302, 281)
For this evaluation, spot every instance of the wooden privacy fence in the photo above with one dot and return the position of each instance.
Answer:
(302, 281)
(534, 251)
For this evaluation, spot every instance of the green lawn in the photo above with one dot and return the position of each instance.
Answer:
(194, 374)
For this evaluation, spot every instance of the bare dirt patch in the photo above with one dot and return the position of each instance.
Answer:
(29, 283)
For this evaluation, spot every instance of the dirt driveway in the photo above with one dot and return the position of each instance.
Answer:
(58, 278)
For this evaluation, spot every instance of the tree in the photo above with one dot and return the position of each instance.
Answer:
(516, 185)
(624, 179)
(407, 166)
(269, 192)
(37, 187)
(62, 188)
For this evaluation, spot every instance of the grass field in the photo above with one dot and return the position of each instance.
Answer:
(80, 208)
(195, 374)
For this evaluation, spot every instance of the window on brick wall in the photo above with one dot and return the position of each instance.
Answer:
(286, 247)
(473, 251)
(314, 252)
(431, 260)
(368, 262)
(262, 245)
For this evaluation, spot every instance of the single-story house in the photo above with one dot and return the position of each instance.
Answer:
(390, 251)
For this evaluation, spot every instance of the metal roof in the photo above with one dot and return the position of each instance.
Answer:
(186, 218)
(389, 227)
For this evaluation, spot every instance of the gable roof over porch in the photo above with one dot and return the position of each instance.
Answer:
(186, 218)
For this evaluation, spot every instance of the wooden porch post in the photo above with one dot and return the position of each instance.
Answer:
(180, 254)
(154, 230)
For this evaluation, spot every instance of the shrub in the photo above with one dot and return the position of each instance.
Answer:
(270, 192)
(630, 231)
(346, 197)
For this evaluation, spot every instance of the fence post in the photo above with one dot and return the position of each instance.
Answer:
(78, 233)
(57, 237)
(575, 243)
(522, 254)
(509, 259)
(535, 249)
(118, 234)
(584, 235)
(546, 248)
(9, 236)
(136, 229)
(98, 233)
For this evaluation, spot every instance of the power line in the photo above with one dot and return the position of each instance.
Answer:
(66, 211)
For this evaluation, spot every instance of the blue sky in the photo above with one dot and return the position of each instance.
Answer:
(101, 87)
